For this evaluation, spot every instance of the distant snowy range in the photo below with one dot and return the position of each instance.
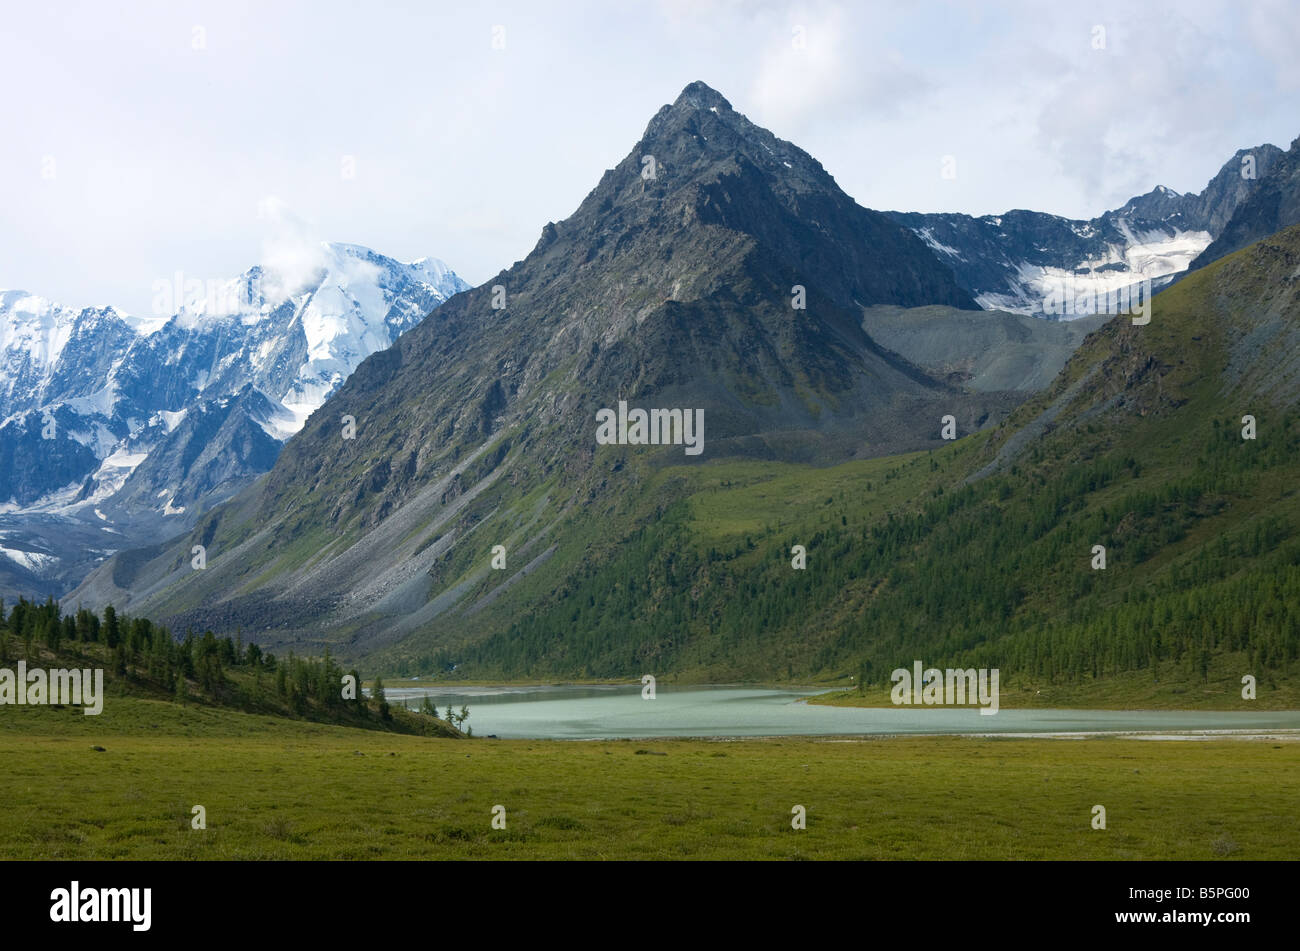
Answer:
(1021, 261)
(119, 431)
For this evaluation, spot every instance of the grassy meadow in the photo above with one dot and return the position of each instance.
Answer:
(282, 789)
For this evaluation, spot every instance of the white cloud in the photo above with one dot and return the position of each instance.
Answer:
(1273, 26)
(464, 152)
(826, 63)
(293, 254)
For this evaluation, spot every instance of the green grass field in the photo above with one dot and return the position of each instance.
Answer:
(280, 789)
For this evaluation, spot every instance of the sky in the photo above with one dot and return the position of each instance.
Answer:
(146, 139)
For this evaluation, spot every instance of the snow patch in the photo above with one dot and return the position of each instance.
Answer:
(171, 420)
(288, 419)
(1153, 256)
(34, 561)
(927, 235)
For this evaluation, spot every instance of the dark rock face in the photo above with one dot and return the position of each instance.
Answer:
(673, 281)
(34, 462)
(218, 448)
(743, 178)
(1265, 205)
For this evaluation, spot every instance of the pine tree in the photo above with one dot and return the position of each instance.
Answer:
(112, 633)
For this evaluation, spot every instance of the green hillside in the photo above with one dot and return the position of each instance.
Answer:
(978, 554)
(151, 680)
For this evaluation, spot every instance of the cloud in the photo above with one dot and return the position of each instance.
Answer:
(1114, 119)
(821, 65)
(293, 255)
(1274, 30)
(467, 151)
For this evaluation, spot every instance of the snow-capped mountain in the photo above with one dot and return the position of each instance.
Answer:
(135, 425)
(1021, 260)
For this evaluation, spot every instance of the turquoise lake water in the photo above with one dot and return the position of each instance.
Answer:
(619, 712)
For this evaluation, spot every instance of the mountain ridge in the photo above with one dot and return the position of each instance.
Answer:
(673, 284)
(89, 395)
(1274, 205)
(474, 526)
(1016, 260)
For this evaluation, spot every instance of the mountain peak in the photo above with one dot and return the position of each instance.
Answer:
(700, 135)
(701, 112)
(700, 96)
(701, 163)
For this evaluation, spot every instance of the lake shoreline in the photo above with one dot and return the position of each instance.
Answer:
(628, 711)
(839, 696)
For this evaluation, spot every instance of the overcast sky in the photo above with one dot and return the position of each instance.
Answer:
(140, 139)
